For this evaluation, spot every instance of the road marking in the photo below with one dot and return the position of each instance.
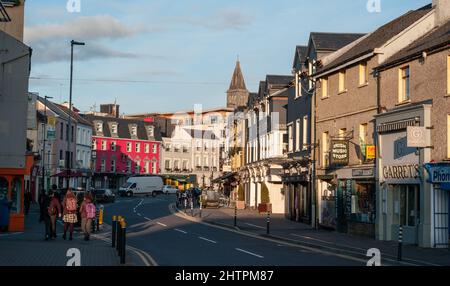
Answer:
(179, 230)
(248, 252)
(139, 214)
(205, 239)
(10, 234)
(161, 224)
(254, 225)
(147, 218)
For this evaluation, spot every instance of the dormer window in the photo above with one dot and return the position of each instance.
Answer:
(151, 131)
(114, 128)
(99, 127)
(134, 130)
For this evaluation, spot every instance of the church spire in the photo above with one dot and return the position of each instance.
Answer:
(237, 82)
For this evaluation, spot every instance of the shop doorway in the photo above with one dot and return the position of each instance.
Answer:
(406, 210)
(441, 205)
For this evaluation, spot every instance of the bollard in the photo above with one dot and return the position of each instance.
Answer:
(400, 242)
(200, 200)
(235, 214)
(101, 215)
(185, 204)
(119, 219)
(268, 222)
(114, 230)
(123, 240)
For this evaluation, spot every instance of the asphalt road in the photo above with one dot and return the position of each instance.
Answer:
(175, 241)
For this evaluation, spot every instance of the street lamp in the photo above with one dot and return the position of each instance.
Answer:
(44, 135)
(69, 131)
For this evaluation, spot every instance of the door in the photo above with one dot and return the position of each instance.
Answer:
(406, 212)
(441, 202)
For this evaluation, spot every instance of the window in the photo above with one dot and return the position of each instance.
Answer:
(154, 171)
(310, 72)
(305, 133)
(185, 166)
(113, 146)
(128, 166)
(67, 132)
(342, 78)
(72, 134)
(94, 144)
(103, 166)
(146, 167)
(298, 87)
(113, 166)
(114, 128)
(448, 136)
(448, 75)
(154, 148)
(138, 147)
(363, 74)
(363, 133)
(205, 161)
(61, 155)
(137, 167)
(213, 163)
(325, 147)
(147, 148)
(403, 88)
(214, 119)
(206, 146)
(291, 138)
(99, 127)
(61, 135)
(167, 164)
(134, 130)
(199, 161)
(129, 147)
(297, 135)
(325, 87)
(103, 145)
(151, 131)
(199, 145)
(176, 165)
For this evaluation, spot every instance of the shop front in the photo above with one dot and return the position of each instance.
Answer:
(297, 192)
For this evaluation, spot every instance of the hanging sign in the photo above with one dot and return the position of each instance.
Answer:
(339, 152)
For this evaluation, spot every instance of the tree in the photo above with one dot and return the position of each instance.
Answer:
(241, 193)
(265, 198)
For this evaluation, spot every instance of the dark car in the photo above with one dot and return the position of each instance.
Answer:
(104, 195)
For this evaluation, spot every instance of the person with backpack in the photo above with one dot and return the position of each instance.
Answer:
(45, 202)
(54, 211)
(88, 212)
(69, 213)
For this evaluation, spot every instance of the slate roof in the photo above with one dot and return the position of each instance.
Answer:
(435, 39)
(332, 41)
(237, 81)
(378, 38)
(123, 127)
(301, 52)
(279, 80)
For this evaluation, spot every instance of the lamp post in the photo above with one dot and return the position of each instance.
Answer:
(44, 141)
(69, 131)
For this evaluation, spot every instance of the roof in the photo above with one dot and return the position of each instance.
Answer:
(123, 130)
(283, 80)
(4, 17)
(332, 41)
(237, 81)
(300, 55)
(435, 39)
(75, 116)
(54, 108)
(378, 38)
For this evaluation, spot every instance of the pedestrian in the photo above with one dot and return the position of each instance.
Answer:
(54, 211)
(69, 213)
(87, 212)
(5, 207)
(45, 201)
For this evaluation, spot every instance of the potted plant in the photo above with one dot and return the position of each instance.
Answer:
(265, 205)
(240, 202)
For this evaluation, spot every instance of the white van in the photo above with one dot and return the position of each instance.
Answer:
(149, 185)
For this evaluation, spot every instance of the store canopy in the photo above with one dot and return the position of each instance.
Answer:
(70, 174)
(226, 177)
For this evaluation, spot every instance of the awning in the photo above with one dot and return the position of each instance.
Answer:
(226, 177)
(70, 174)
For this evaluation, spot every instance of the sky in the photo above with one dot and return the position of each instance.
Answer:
(168, 55)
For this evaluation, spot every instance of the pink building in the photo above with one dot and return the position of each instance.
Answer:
(122, 148)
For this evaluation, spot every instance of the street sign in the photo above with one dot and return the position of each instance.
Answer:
(416, 137)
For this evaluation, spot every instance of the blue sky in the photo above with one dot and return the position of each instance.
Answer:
(167, 55)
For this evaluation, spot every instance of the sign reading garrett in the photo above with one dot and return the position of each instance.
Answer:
(339, 153)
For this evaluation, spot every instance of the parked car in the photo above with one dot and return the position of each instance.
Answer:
(169, 190)
(142, 185)
(104, 195)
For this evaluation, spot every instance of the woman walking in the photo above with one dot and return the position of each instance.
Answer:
(87, 211)
(54, 211)
(70, 213)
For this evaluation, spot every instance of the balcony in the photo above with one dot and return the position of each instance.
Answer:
(205, 168)
(198, 168)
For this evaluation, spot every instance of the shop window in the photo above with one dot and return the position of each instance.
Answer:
(3, 187)
(363, 203)
(406, 205)
(16, 196)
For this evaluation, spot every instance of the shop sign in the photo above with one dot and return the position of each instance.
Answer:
(362, 172)
(339, 152)
(416, 137)
(51, 128)
(371, 152)
(439, 174)
(409, 171)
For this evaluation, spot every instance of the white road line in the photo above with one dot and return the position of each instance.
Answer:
(254, 225)
(161, 224)
(311, 238)
(147, 218)
(179, 230)
(248, 252)
(10, 234)
(139, 214)
(208, 240)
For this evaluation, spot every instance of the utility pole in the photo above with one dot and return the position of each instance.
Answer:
(44, 141)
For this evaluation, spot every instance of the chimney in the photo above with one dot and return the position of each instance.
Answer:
(442, 10)
(110, 109)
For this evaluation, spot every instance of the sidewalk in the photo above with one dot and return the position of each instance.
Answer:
(30, 249)
(302, 234)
